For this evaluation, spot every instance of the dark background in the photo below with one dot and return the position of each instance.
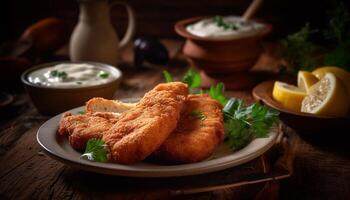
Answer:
(157, 17)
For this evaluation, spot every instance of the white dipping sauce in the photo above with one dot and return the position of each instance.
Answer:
(224, 27)
(68, 75)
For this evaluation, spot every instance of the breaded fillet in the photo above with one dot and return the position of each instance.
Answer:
(198, 132)
(142, 129)
(81, 128)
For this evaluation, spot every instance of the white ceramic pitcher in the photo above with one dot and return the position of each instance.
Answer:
(94, 38)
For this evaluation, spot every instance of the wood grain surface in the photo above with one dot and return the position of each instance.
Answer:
(321, 168)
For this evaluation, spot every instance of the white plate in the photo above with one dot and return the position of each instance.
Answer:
(223, 157)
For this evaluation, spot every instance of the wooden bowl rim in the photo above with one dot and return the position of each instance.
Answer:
(180, 28)
(263, 91)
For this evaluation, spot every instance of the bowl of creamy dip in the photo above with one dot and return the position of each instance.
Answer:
(59, 86)
(222, 44)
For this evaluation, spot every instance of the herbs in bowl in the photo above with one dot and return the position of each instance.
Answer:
(59, 86)
(227, 27)
(211, 43)
(67, 75)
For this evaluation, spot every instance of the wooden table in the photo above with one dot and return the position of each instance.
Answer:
(321, 169)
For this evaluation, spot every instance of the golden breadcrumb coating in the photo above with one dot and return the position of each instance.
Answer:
(198, 132)
(142, 129)
(81, 128)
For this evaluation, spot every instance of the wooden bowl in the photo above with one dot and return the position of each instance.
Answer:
(302, 122)
(51, 101)
(221, 56)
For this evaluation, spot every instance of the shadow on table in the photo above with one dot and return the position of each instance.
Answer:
(247, 180)
(334, 141)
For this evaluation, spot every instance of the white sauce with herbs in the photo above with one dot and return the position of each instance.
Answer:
(224, 27)
(68, 75)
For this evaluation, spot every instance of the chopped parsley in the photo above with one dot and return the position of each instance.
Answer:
(192, 78)
(167, 76)
(219, 21)
(95, 150)
(81, 112)
(103, 74)
(198, 115)
(217, 92)
(58, 74)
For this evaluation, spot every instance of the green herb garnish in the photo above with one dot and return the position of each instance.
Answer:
(54, 73)
(244, 123)
(103, 74)
(95, 150)
(81, 112)
(216, 92)
(338, 32)
(338, 24)
(219, 21)
(59, 74)
(297, 49)
(167, 76)
(192, 78)
(198, 115)
(339, 57)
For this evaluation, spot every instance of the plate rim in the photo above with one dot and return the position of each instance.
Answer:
(169, 171)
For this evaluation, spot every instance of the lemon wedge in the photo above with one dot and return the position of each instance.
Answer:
(288, 95)
(327, 97)
(306, 80)
(340, 73)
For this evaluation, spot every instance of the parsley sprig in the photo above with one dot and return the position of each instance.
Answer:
(217, 92)
(95, 150)
(297, 49)
(192, 78)
(244, 123)
(167, 76)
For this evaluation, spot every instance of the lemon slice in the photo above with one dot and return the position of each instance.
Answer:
(306, 80)
(327, 97)
(288, 95)
(340, 73)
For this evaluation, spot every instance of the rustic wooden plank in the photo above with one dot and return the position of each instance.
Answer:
(27, 170)
(38, 177)
(322, 170)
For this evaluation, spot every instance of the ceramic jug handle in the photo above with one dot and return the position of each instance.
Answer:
(131, 25)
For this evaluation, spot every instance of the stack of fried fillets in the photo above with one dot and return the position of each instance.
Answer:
(167, 123)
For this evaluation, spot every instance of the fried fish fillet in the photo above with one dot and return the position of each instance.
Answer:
(198, 132)
(142, 129)
(81, 128)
